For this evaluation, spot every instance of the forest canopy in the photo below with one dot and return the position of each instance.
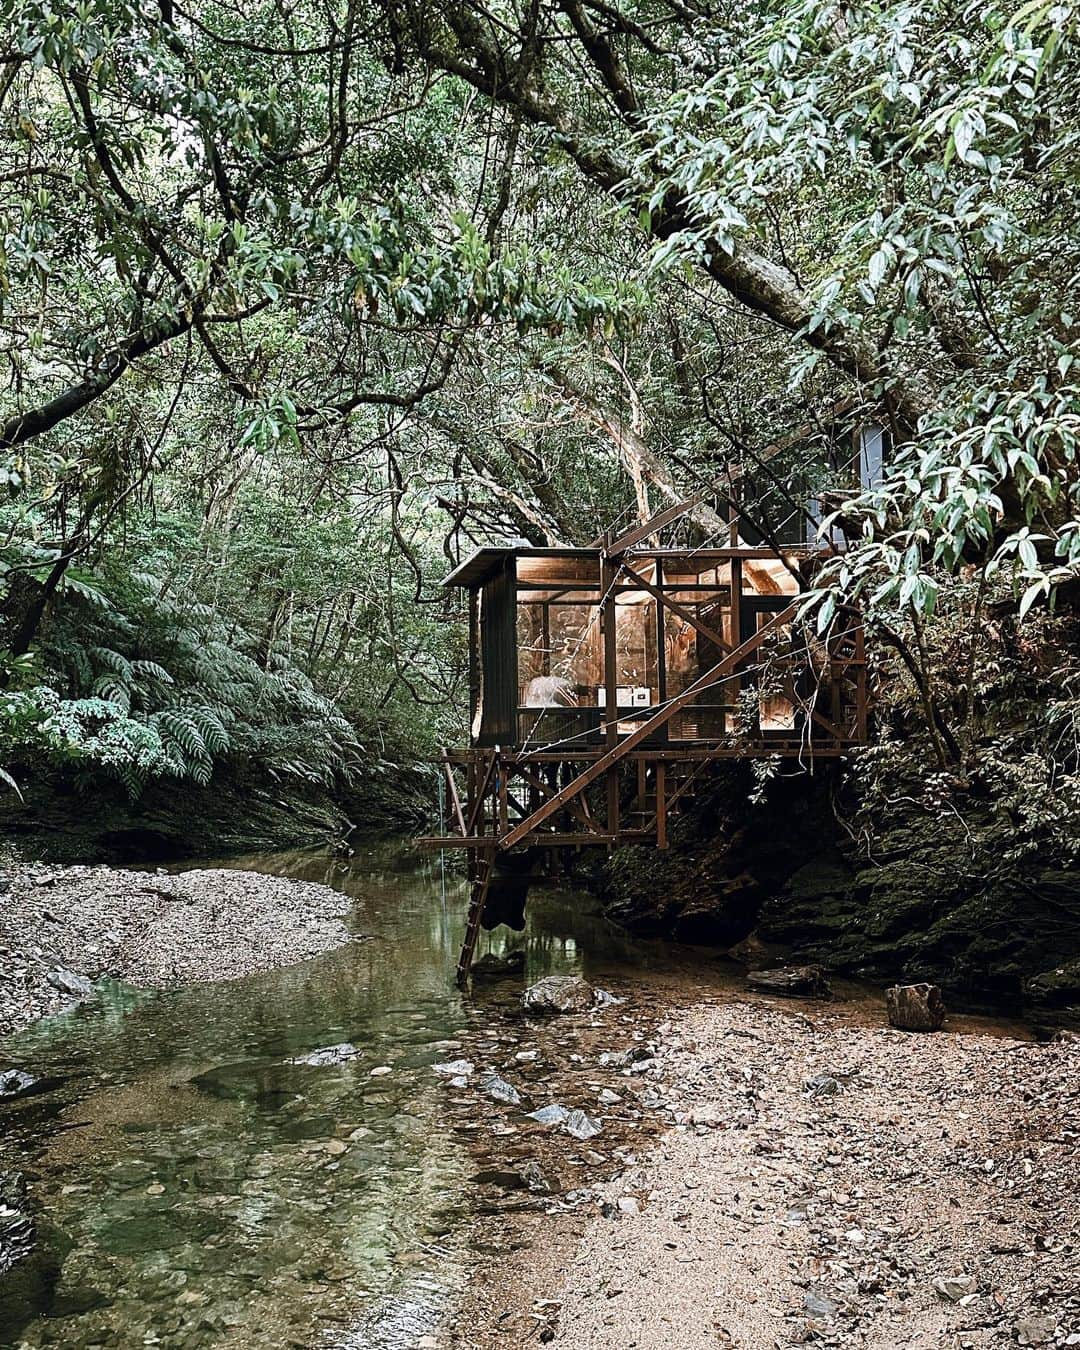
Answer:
(299, 302)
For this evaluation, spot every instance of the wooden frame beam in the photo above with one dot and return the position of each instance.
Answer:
(451, 784)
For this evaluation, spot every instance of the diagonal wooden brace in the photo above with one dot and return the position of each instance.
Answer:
(669, 603)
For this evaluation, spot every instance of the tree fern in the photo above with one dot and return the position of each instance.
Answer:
(161, 686)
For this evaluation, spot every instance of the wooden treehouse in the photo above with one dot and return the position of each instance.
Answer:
(602, 680)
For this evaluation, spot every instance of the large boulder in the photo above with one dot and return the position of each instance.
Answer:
(791, 982)
(915, 1007)
(559, 994)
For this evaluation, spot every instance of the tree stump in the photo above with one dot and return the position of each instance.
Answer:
(915, 1007)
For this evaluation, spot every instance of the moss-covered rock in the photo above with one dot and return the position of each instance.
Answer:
(943, 898)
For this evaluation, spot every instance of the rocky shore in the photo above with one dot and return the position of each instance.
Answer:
(801, 1173)
(61, 928)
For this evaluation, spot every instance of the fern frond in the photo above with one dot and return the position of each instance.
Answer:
(111, 660)
(180, 728)
(153, 671)
(86, 591)
(113, 690)
(211, 729)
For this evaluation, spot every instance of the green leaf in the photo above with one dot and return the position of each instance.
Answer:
(1032, 594)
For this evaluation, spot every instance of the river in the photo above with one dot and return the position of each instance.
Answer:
(195, 1188)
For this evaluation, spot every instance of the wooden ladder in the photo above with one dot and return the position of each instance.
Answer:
(482, 870)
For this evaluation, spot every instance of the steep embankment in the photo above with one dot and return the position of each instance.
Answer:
(62, 819)
(935, 887)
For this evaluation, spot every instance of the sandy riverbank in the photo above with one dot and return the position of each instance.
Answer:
(821, 1178)
(63, 927)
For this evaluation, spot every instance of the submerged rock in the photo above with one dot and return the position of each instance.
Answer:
(455, 1068)
(500, 1090)
(328, 1054)
(791, 982)
(492, 967)
(915, 1007)
(559, 994)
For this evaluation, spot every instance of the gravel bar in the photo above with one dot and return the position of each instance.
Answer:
(62, 927)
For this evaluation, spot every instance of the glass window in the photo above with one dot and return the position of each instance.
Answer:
(558, 653)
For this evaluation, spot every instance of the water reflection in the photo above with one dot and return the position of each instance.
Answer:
(196, 1189)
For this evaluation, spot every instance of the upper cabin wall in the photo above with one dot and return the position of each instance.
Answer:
(794, 520)
(541, 627)
(495, 719)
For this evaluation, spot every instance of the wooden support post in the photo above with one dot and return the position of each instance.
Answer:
(474, 657)
(608, 574)
(661, 804)
(736, 634)
(733, 512)
(611, 654)
(501, 790)
(451, 784)
(477, 813)
(862, 693)
(613, 802)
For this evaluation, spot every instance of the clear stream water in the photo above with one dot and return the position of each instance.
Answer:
(184, 1191)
